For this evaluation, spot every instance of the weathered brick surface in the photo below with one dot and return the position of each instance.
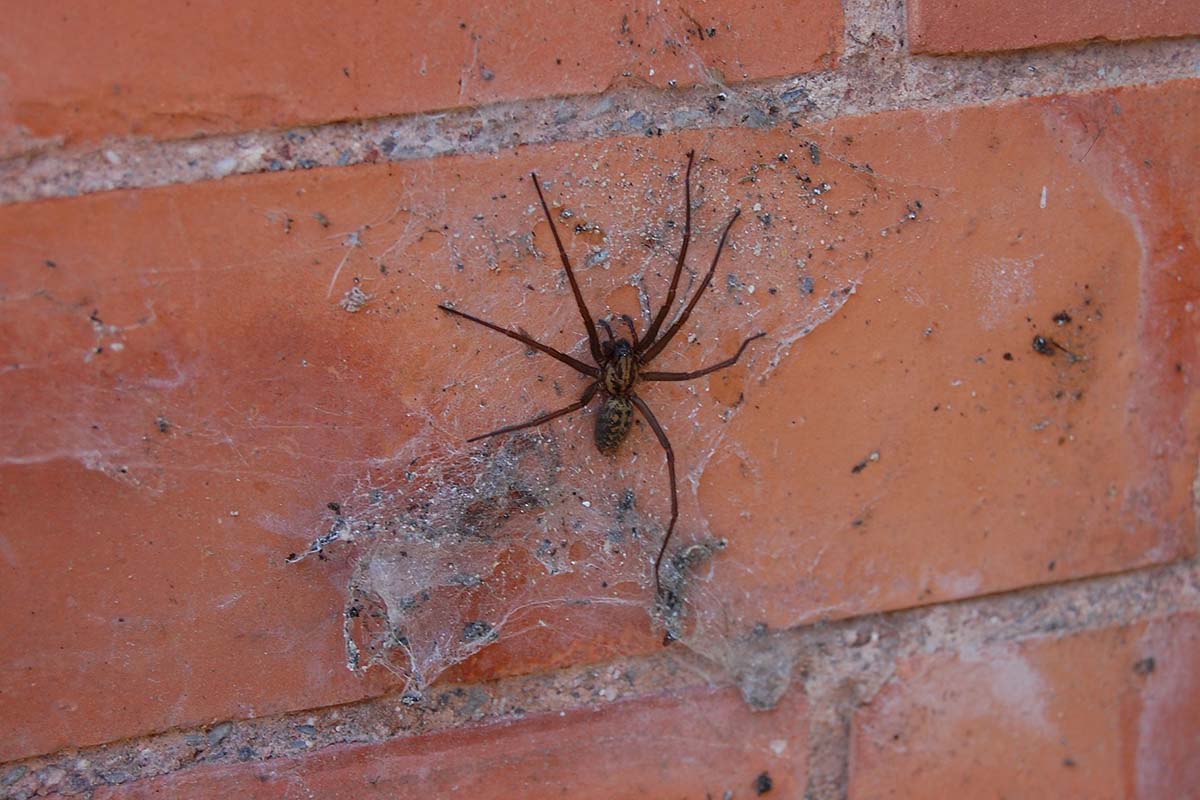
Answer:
(989, 468)
(184, 391)
(698, 745)
(965, 26)
(177, 69)
(1106, 714)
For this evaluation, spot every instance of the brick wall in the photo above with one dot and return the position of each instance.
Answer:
(937, 530)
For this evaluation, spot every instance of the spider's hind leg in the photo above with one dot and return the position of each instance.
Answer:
(666, 446)
(588, 394)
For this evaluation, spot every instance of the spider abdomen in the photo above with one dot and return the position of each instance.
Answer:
(613, 423)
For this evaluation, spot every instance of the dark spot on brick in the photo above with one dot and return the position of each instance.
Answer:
(1145, 666)
(763, 783)
(478, 631)
(1008, 356)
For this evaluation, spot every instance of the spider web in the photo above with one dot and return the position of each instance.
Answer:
(535, 535)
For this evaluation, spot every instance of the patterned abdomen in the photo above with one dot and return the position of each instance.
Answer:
(613, 423)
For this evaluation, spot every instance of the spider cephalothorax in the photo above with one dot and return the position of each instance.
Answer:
(620, 363)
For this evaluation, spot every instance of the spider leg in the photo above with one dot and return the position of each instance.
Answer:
(574, 363)
(687, 376)
(666, 445)
(657, 347)
(628, 320)
(593, 337)
(588, 394)
(608, 330)
(661, 317)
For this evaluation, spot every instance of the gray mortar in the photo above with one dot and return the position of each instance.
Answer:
(875, 74)
(841, 666)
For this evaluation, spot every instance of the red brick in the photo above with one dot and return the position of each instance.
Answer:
(989, 469)
(176, 69)
(966, 26)
(1108, 714)
(149, 493)
(700, 745)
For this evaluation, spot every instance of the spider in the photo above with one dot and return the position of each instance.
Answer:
(620, 364)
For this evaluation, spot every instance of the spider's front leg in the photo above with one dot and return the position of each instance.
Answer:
(668, 304)
(687, 376)
(528, 341)
(588, 324)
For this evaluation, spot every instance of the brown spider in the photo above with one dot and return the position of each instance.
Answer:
(620, 363)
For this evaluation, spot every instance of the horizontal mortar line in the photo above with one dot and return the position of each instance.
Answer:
(867, 81)
(1082, 605)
